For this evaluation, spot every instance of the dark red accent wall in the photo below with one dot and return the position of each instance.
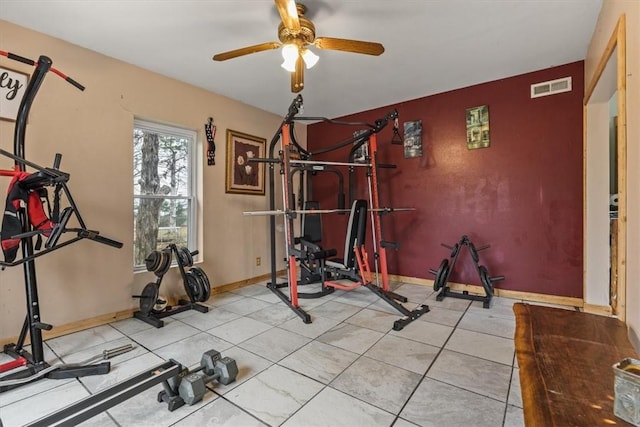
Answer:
(522, 195)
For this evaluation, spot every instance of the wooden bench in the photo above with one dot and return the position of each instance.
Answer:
(565, 359)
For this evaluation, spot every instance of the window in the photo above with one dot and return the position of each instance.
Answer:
(164, 200)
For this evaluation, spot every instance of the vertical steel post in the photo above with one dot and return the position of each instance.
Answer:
(288, 220)
(373, 147)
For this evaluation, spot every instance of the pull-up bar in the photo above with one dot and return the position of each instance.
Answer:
(315, 162)
(35, 63)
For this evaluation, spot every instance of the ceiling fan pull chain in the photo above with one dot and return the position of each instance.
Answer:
(210, 131)
(397, 139)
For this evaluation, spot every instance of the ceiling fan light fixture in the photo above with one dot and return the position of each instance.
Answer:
(310, 58)
(290, 55)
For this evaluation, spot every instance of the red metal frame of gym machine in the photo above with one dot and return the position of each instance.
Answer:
(380, 256)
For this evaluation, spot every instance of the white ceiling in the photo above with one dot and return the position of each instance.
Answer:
(431, 46)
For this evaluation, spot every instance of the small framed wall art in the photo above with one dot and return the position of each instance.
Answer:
(242, 175)
(413, 139)
(13, 86)
(478, 127)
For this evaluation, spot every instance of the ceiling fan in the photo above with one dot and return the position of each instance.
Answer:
(297, 34)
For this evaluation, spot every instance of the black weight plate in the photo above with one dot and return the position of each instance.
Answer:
(206, 284)
(455, 250)
(152, 261)
(444, 277)
(473, 252)
(192, 286)
(165, 264)
(181, 257)
(186, 259)
(486, 280)
(201, 287)
(189, 286)
(441, 274)
(161, 259)
(148, 298)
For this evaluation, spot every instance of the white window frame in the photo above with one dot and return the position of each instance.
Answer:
(192, 177)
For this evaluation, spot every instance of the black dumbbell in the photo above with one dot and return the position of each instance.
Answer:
(193, 387)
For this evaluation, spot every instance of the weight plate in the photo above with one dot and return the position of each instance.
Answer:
(486, 280)
(152, 261)
(164, 264)
(201, 288)
(186, 259)
(181, 257)
(148, 298)
(445, 277)
(455, 250)
(189, 257)
(206, 284)
(473, 252)
(194, 288)
(441, 274)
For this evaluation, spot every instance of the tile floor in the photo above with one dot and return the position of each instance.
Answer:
(454, 366)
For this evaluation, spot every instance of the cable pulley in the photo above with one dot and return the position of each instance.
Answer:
(396, 139)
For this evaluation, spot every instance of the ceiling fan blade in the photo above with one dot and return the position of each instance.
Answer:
(355, 46)
(245, 51)
(297, 77)
(289, 14)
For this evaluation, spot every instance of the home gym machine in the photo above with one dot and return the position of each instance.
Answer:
(154, 308)
(311, 222)
(446, 267)
(292, 158)
(18, 229)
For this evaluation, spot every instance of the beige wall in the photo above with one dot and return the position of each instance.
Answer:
(93, 131)
(611, 11)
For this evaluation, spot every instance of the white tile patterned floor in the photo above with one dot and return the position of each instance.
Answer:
(454, 366)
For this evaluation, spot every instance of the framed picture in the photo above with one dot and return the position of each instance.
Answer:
(413, 139)
(361, 154)
(13, 85)
(244, 176)
(478, 127)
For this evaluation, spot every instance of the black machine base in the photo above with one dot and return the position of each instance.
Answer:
(399, 324)
(155, 318)
(392, 299)
(447, 292)
(275, 288)
(60, 372)
(111, 396)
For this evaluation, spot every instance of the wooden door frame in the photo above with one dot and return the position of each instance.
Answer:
(616, 41)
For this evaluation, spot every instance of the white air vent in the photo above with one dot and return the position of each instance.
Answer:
(551, 87)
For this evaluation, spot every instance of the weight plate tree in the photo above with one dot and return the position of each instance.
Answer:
(195, 282)
(443, 272)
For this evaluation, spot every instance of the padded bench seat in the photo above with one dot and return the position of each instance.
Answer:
(565, 359)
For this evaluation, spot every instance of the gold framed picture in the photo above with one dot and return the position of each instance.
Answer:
(242, 175)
